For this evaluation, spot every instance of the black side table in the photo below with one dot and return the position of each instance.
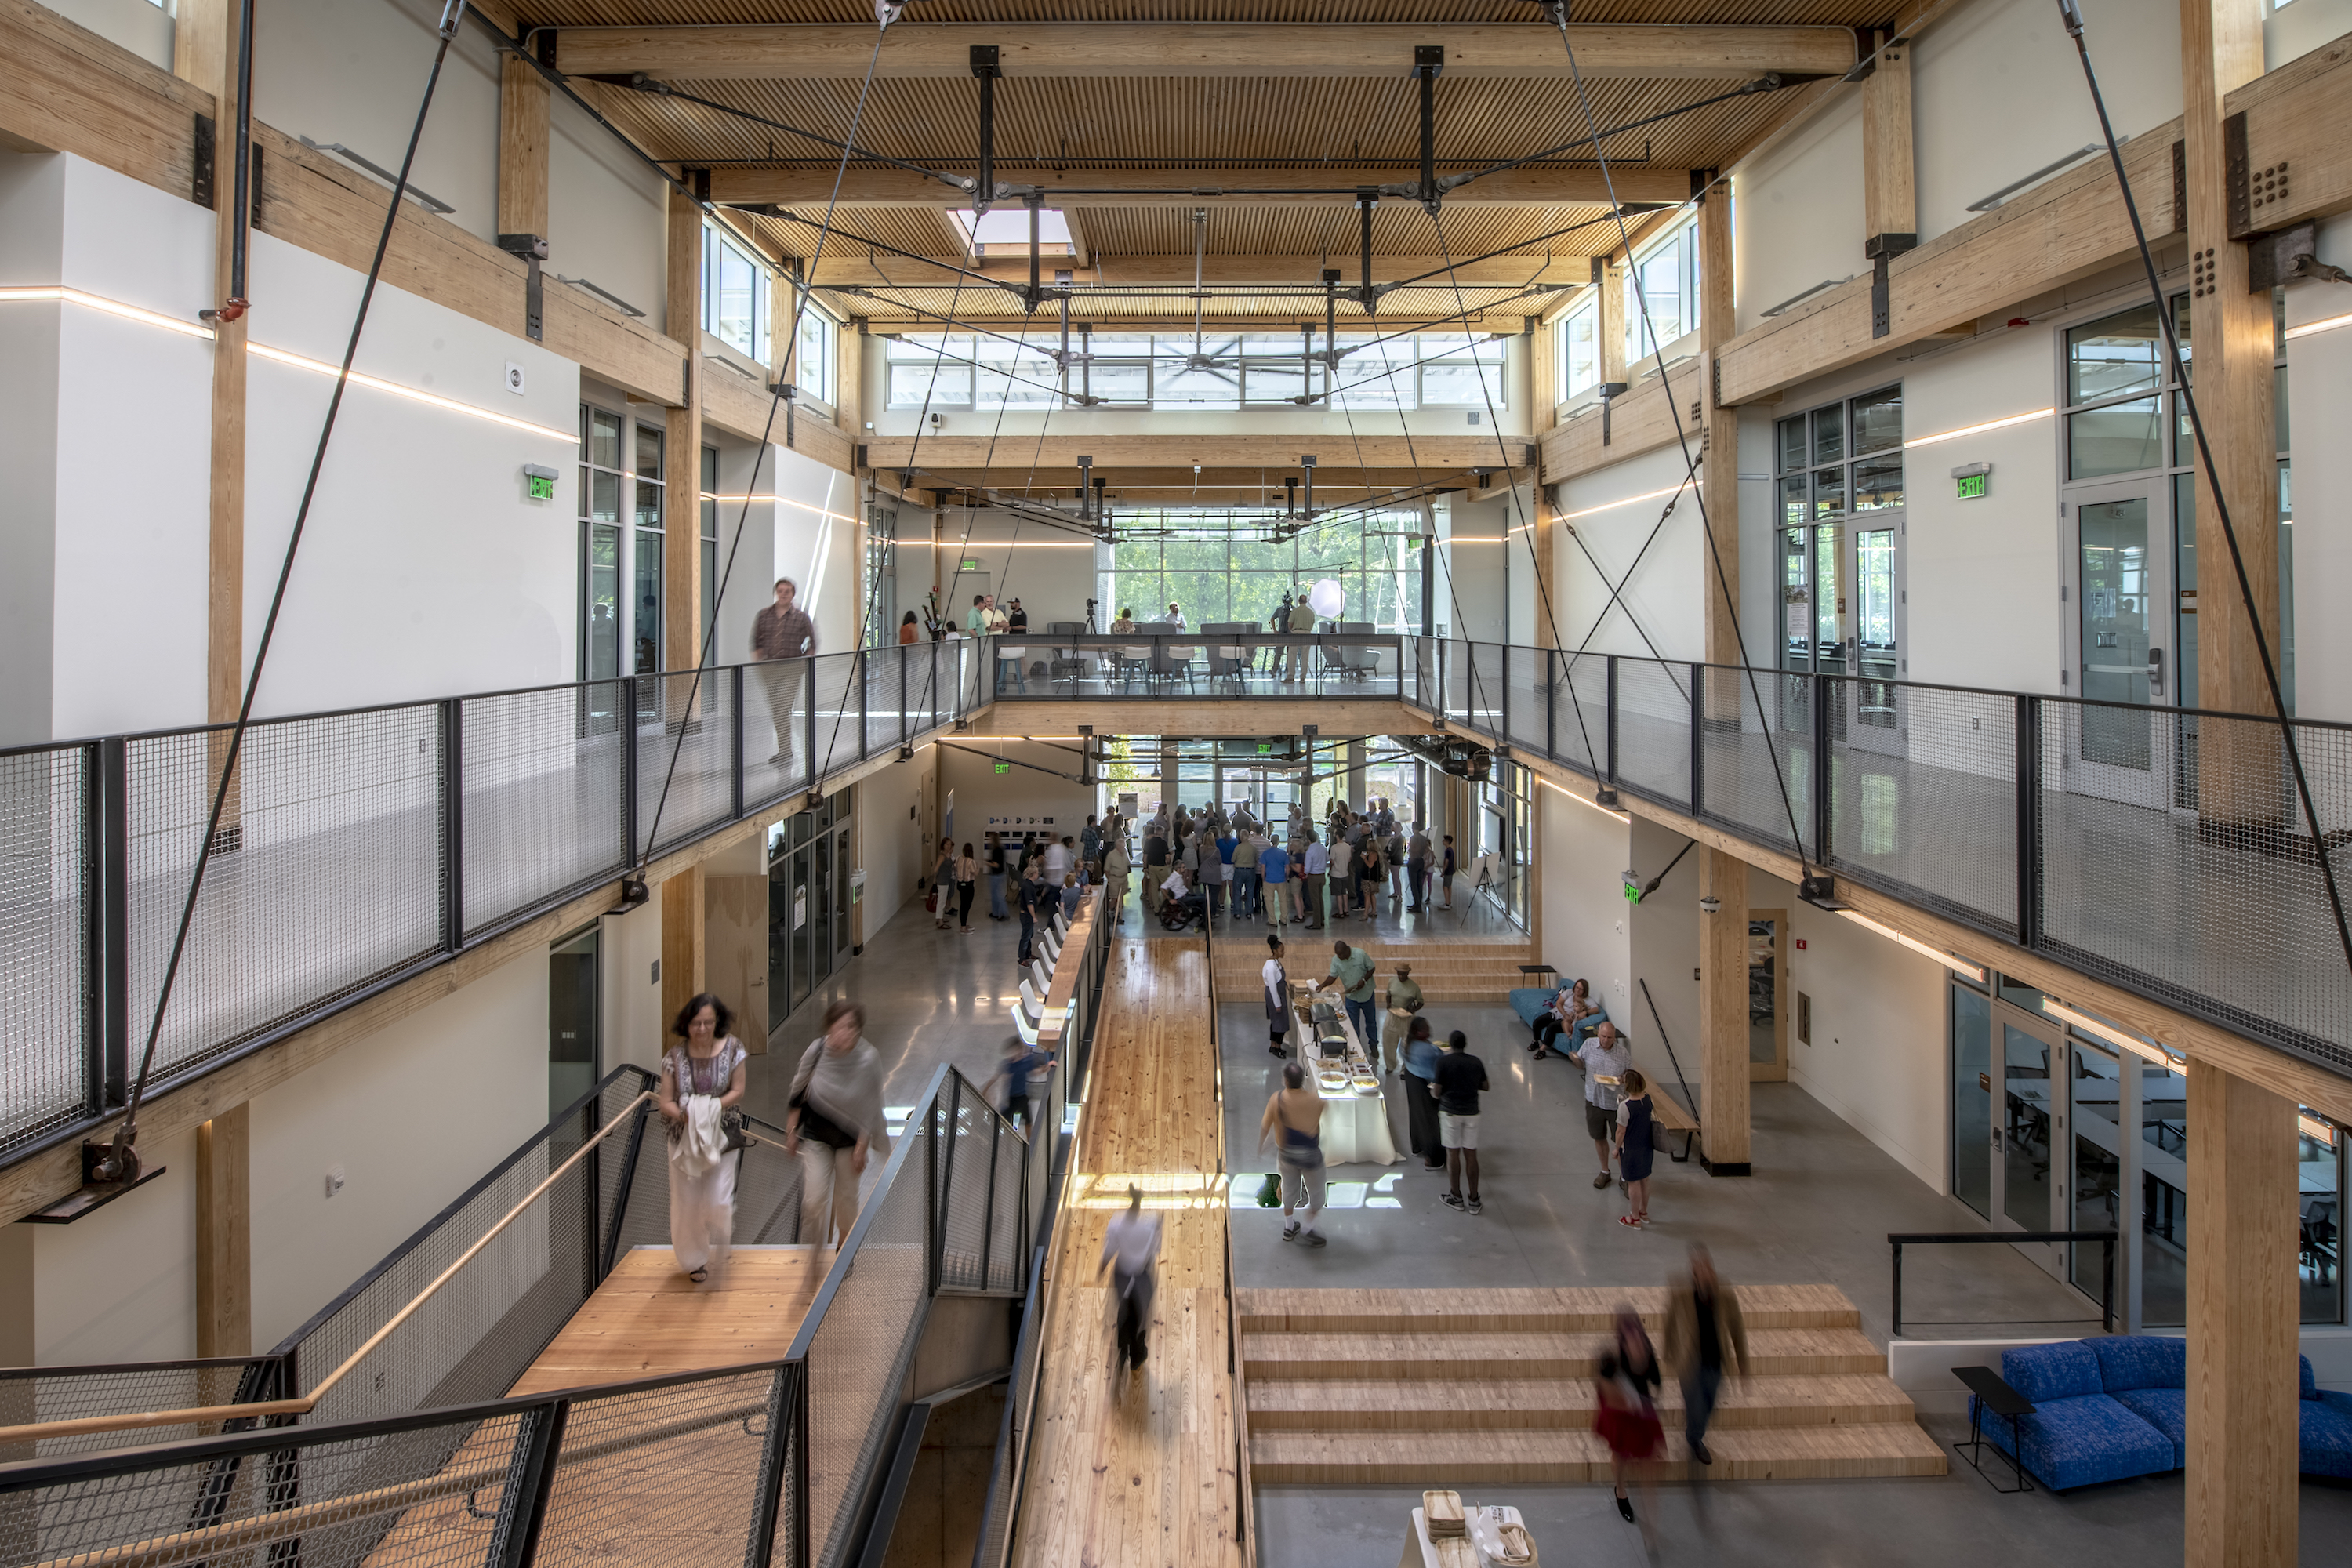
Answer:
(1538, 969)
(1993, 1394)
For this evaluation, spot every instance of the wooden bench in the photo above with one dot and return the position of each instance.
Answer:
(1668, 1113)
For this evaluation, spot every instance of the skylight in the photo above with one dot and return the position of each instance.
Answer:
(1007, 228)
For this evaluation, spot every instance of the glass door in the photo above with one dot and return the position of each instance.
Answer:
(574, 1059)
(2094, 1194)
(2029, 1171)
(2122, 643)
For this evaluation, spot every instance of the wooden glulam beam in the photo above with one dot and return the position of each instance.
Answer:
(1535, 185)
(915, 50)
(838, 270)
(1223, 450)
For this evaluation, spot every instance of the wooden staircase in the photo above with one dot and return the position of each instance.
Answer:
(1430, 1387)
(1480, 974)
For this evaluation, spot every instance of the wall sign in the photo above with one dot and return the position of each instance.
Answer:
(1972, 480)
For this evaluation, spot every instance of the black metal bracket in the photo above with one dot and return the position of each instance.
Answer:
(1881, 250)
(1609, 391)
(1428, 59)
(1367, 198)
(984, 66)
(533, 250)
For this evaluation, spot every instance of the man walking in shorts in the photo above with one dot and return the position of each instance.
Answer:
(1461, 1079)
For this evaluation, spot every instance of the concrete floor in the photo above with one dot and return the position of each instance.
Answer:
(1818, 1208)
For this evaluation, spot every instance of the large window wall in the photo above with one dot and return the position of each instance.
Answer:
(1220, 576)
(1165, 370)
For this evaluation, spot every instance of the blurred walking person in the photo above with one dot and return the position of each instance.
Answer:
(833, 1121)
(1131, 1250)
(1625, 1414)
(703, 1079)
(1706, 1339)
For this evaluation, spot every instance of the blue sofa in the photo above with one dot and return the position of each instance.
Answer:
(1530, 1001)
(2111, 1408)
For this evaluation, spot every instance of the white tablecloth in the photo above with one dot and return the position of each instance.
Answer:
(1356, 1129)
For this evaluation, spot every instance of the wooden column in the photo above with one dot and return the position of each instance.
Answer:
(1543, 533)
(1543, 380)
(1719, 469)
(2239, 777)
(204, 54)
(224, 1233)
(1610, 325)
(2244, 1306)
(682, 446)
(849, 390)
(522, 147)
(682, 946)
(1723, 1016)
(1889, 204)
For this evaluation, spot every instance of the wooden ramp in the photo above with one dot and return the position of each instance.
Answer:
(1413, 1387)
(1145, 1474)
(622, 1455)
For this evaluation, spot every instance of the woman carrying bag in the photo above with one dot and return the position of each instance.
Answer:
(1625, 1414)
(833, 1121)
(702, 1082)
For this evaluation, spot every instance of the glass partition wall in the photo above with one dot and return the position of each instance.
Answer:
(2052, 1130)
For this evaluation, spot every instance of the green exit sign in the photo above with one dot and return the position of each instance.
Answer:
(1004, 767)
(972, 563)
(1972, 487)
(1265, 748)
(542, 486)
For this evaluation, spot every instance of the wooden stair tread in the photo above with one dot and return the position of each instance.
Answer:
(1483, 1403)
(1787, 1453)
(1266, 1309)
(1772, 1351)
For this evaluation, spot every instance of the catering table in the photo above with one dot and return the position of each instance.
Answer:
(1421, 1552)
(1355, 1126)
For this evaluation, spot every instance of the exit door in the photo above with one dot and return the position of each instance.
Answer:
(2120, 541)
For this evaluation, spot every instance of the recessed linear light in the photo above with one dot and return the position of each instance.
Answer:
(2112, 1035)
(412, 393)
(111, 307)
(1629, 501)
(2330, 324)
(1980, 429)
(1952, 962)
(1581, 800)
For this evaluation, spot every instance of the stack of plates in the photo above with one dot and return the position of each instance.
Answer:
(1444, 1513)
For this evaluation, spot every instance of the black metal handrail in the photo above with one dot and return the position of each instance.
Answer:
(2107, 1318)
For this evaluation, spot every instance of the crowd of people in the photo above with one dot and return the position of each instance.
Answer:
(1199, 865)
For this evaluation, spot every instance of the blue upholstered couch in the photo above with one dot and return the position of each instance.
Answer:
(2108, 1409)
(1529, 1002)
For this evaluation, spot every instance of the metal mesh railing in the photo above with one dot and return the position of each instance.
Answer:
(1654, 729)
(354, 847)
(541, 807)
(434, 1491)
(47, 991)
(673, 1476)
(1924, 798)
(1748, 763)
(29, 1394)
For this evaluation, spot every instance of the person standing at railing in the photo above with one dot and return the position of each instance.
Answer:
(783, 638)
(910, 629)
(835, 1122)
(703, 1078)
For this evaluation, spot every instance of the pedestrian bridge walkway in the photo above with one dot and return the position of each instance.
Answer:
(1144, 1471)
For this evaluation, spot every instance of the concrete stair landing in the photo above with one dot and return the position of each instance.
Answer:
(1413, 1387)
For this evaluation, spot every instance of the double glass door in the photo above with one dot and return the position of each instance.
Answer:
(808, 910)
(1842, 592)
(2120, 538)
(2009, 1158)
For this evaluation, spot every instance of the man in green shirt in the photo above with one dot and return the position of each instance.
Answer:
(1352, 970)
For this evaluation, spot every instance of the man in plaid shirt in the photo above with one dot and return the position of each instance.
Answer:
(782, 635)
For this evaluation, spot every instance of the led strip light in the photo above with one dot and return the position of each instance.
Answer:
(2308, 328)
(2112, 1035)
(1980, 429)
(1629, 501)
(58, 294)
(1952, 962)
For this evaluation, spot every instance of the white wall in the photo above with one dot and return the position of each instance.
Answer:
(888, 812)
(635, 1030)
(1665, 945)
(1021, 800)
(1878, 1057)
(2319, 395)
(605, 211)
(108, 447)
(1661, 597)
(802, 524)
(353, 72)
(1585, 916)
(140, 26)
(414, 1115)
(1471, 561)
(120, 1284)
(424, 570)
(2294, 30)
(1797, 214)
(1997, 92)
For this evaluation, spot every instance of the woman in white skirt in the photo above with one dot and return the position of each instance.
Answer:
(833, 1121)
(703, 1078)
